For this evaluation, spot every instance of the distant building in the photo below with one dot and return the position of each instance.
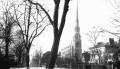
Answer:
(104, 51)
(97, 53)
(68, 51)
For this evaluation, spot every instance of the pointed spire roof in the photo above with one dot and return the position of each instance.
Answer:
(77, 28)
(77, 20)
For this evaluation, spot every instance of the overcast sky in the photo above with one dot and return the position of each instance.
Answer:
(91, 13)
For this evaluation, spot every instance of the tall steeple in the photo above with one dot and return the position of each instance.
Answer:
(78, 49)
(77, 21)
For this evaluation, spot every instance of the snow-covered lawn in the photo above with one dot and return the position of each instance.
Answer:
(37, 68)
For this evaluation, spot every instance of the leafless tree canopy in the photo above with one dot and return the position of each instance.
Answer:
(94, 34)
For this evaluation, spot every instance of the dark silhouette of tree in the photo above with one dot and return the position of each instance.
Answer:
(56, 29)
(86, 56)
(46, 58)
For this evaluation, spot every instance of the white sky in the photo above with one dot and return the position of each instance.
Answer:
(91, 13)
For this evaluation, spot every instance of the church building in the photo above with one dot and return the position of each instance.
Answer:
(74, 50)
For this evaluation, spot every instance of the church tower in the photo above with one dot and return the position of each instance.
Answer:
(77, 40)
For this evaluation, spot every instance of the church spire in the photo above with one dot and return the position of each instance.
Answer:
(78, 49)
(77, 28)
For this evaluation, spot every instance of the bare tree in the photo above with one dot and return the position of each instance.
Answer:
(93, 35)
(7, 24)
(56, 29)
(29, 24)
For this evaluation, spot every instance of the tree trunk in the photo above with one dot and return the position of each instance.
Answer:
(19, 59)
(6, 53)
(27, 59)
(54, 50)
(6, 49)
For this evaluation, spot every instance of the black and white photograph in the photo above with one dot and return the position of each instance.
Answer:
(59, 34)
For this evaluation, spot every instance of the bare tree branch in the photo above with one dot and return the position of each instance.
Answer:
(93, 35)
(36, 29)
(42, 30)
(22, 31)
(38, 33)
(43, 10)
(113, 33)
